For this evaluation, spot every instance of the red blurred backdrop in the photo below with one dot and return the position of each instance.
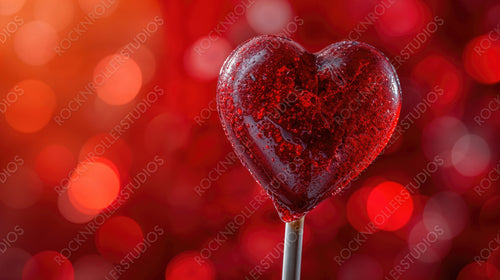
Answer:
(116, 99)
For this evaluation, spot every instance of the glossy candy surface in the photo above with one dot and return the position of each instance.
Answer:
(306, 124)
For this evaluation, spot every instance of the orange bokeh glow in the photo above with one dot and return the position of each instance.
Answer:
(94, 184)
(8, 7)
(58, 13)
(33, 108)
(102, 145)
(118, 79)
(35, 42)
(73, 213)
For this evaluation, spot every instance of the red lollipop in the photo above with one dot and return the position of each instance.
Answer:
(305, 124)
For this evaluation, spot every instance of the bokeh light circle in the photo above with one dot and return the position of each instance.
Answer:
(427, 244)
(12, 262)
(448, 211)
(351, 269)
(74, 213)
(478, 271)
(205, 57)
(389, 206)
(269, 16)
(105, 145)
(118, 236)
(118, 79)
(94, 184)
(470, 155)
(439, 137)
(33, 108)
(403, 17)
(9, 7)
(35, 42)
(356, 211)
(489, 216)
(482, 59)
(92, 267)
(48, 265)
(58, 13)
(445, 80)
(185, 267)
(494, 260)
(146, 60)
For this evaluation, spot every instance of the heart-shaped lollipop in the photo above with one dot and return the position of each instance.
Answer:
(305, 124)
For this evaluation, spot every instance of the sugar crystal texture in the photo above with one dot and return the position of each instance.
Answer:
(305, 124)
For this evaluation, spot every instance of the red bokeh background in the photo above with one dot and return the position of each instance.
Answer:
(116, 99)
